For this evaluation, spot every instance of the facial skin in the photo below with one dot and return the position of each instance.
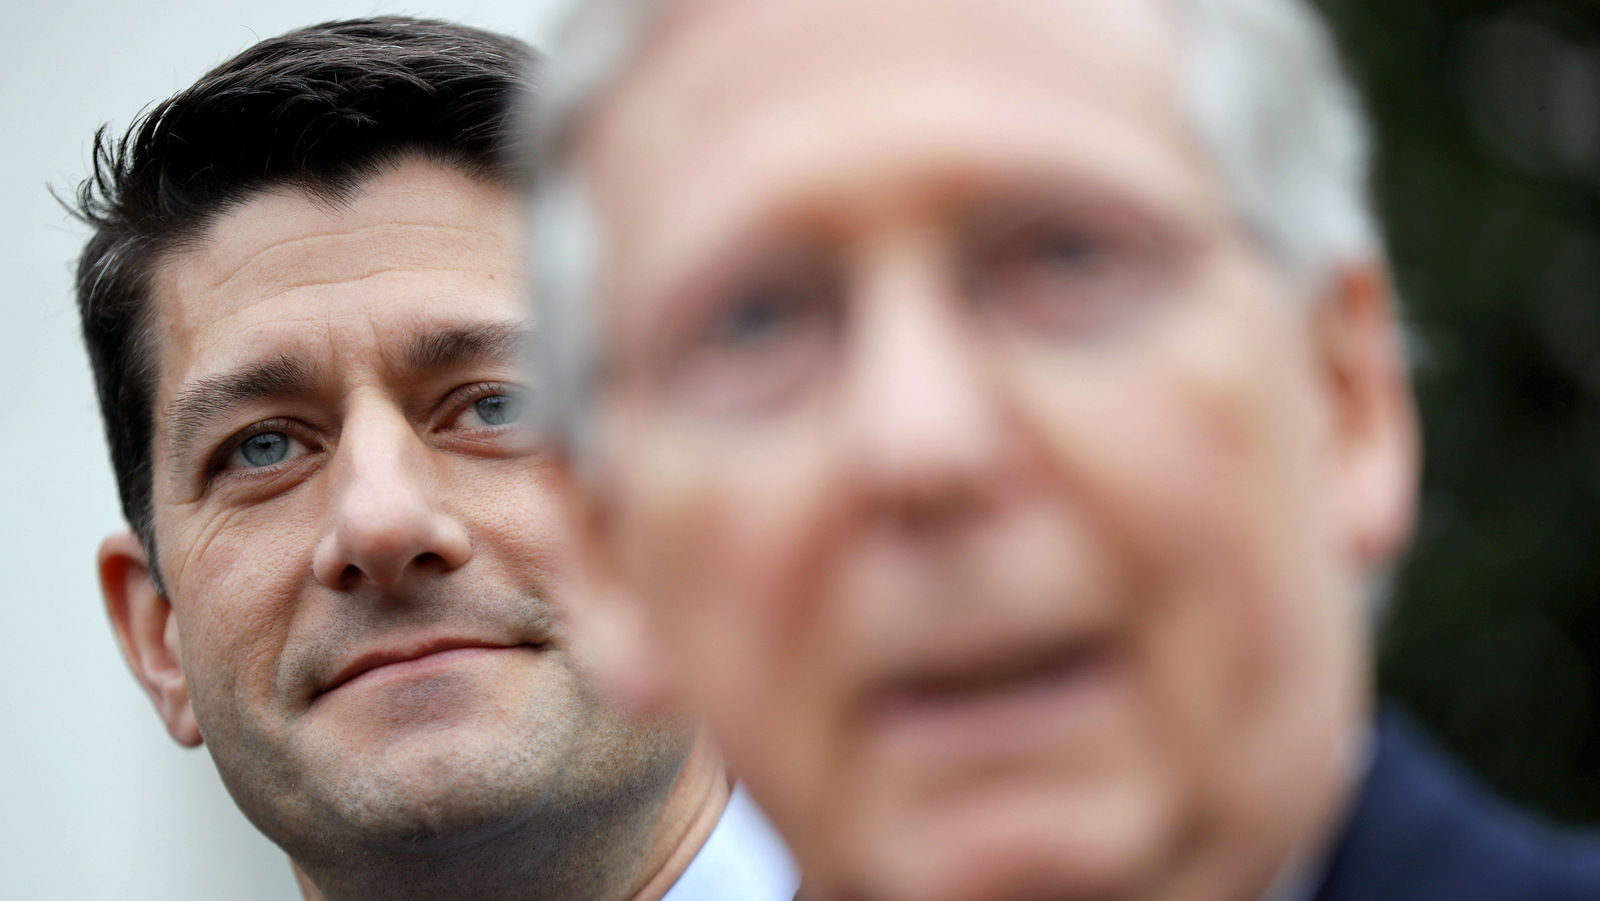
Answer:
(1006, 505)
(366, 560)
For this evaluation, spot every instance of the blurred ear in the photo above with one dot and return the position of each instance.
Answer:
(147, 633)
(613, 637)
(1374, 420)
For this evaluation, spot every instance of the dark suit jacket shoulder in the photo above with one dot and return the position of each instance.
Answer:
(1424, 830)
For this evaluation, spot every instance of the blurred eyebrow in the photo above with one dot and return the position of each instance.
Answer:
(213, 397)
(460, 345)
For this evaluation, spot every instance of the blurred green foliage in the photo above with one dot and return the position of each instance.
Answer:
(1488, 181)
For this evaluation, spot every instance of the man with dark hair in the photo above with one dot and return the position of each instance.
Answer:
(303, 305)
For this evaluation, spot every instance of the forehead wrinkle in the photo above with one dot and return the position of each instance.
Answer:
(211, 397)
(384, 250)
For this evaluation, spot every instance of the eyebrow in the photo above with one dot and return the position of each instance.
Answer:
(214, 396)
(459, 345)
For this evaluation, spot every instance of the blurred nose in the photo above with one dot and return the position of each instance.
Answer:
(921, 412)
(387, 523)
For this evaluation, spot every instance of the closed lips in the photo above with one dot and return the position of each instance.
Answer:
(375, 660)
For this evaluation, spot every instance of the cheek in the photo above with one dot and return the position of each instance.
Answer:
(235, 577)
(520, 524)
(723, 529)
(1192, 454)
(724, 536)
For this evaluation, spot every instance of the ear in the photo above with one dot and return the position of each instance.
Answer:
(147, 632)
(1374, 420)
(612, 636)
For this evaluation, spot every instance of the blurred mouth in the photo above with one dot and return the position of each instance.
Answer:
(1005, 706)
(416, 661)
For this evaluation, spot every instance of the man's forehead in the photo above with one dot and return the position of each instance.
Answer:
(418, 218)
(709, 34)
(714, 59)
(743, 111)
(421, 248)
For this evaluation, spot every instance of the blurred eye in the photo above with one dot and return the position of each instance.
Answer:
(491, 411)
(761, 316)
(752, 346)
(1056, 279)
(264, 449)
(1062, 253)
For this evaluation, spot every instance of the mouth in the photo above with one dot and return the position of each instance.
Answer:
(1002, 706)
(414, 660)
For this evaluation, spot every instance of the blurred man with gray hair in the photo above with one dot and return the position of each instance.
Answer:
(992, 414)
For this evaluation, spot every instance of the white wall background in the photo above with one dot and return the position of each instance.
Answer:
(95, 801)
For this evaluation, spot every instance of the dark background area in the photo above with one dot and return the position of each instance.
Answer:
(1488, 181)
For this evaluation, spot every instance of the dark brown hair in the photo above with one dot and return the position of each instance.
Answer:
(321, 110)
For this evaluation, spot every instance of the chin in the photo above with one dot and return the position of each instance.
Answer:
(1024, 843)
(436, 791)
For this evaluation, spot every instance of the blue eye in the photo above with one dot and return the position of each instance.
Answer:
(498, 409)
(264, 449)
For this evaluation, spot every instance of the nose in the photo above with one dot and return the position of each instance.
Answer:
(387, 523)
(922, 416)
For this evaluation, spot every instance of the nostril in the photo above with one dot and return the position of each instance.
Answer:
(429, 560)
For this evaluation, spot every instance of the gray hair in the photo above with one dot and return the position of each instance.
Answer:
(1265, 94)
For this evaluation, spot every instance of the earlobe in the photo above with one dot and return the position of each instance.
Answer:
(1374, 418)
(141, 618)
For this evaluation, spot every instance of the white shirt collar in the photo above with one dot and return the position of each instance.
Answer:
(742, 860)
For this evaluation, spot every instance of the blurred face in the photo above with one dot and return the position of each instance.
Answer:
(987, 484)
(362, 553)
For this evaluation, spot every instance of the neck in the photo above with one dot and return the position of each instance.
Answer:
(632, 850)
(690, 815)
